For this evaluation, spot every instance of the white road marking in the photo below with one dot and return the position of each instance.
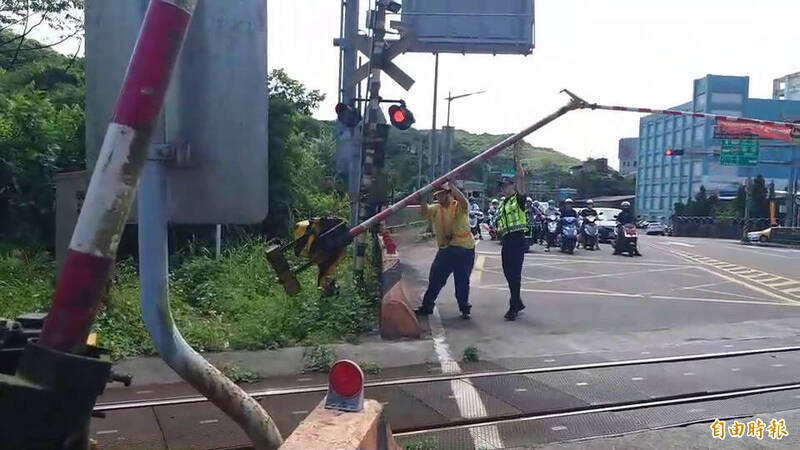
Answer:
(558, 428)
(520, 390)
(637, 379)
(304, 379)
(688, 374)
(696, 410)
(297, 413)
(764, 302)
(477, 272)
(682, 244)
(549, 360)
(645, 353)
(728, 345)
(107, 432)
(711, 291)
(749, 285)
(776, 365)
(735, 369)
(611, 275)
(582, 383)
(143, 392)
(783, 283)
(767, 253)
(210, 421)
(470, 404)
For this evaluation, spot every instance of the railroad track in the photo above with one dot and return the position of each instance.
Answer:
(552, 402)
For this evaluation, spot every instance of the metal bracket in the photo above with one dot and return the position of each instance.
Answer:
(178, 154)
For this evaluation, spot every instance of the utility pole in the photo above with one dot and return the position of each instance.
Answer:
(348, 152)
(434, 154)
(373, 136)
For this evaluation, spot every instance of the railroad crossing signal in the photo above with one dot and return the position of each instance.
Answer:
(348, 115)
(401, 117)
(383, 60)
(345, 387)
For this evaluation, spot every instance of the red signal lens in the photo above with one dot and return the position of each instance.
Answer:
(346, 378)
(399, 116)
(669, 152)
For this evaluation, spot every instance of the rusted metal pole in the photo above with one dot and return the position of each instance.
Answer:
(575, 103)
(93, 248)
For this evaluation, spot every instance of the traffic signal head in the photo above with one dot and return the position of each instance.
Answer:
(401, 117)
(673, 152)
(348, 115)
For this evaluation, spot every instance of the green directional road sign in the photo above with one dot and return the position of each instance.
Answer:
(740, 152)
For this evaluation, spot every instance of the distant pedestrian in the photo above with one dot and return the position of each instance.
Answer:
(450, 221)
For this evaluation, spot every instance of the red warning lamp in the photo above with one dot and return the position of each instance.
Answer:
(673, 152)
(401, 117)
(345, 387)
(348, 115)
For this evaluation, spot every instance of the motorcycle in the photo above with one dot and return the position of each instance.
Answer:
(627, 240)
(569, 234)
(490, 225)
(475, 219)
(551, 235)
(536, 229)
(589, 234)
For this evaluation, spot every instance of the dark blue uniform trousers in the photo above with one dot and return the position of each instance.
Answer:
(459, 262)
(513, 256)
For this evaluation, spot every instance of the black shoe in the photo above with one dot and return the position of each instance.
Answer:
(521, 307)
(423, 312)
(465, 316)
(617, 253)
(511, 315)
(637, 254)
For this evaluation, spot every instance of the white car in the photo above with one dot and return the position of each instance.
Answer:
(655, 228)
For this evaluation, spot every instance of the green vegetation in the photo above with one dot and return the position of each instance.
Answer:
(470, 354)
(238, 374)
(229, 303)
(319, 358)
(370, 367)
(422, 444)
(708, 205)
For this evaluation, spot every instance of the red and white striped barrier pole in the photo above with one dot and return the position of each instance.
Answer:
(483, 156)
(93, 247)
(669, 112)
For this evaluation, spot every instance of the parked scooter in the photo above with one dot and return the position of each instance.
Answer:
(569, 234)
(475, 219)
(551, 234)
(589, 236)
(627, 240)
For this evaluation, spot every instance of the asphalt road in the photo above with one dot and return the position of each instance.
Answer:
(683, 297)
(597, 302)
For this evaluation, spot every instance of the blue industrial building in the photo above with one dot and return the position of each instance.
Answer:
(663, 181)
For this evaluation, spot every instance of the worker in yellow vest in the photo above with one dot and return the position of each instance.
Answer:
(450, 221)
(512, 224)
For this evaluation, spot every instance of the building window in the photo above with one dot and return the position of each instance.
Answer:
(669, 124)
(698, 135)
(634, 164)
(727, 112)
(660, 143)
(687, 137)
(669, 140)
(659, 127)
(700, 102)
(724, 97)
(698, 169)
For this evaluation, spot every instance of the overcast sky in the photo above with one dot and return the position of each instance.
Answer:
(629, 52)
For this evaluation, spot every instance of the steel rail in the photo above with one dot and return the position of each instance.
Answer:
(626, 406)
(124, 405)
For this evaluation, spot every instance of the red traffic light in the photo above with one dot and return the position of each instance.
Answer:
(348, 115)
(401, 117)
(673, 152)
(669, 152)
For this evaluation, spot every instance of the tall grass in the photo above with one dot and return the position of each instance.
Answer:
(230, 303)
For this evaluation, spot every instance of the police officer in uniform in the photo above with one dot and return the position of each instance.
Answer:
(512, 224)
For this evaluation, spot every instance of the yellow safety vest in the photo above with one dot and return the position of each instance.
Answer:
(451, 226)
(511, 217)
